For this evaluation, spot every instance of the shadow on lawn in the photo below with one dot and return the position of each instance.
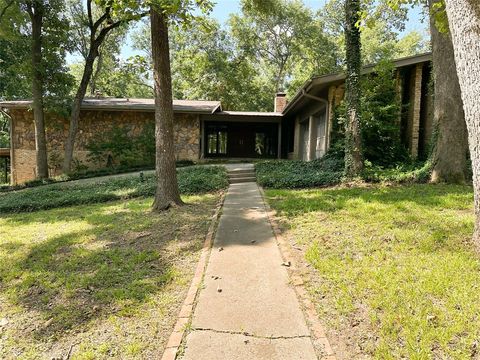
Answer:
(113, 266)
(332, 200)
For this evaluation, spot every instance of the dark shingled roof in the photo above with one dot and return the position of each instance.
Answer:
(180, 106)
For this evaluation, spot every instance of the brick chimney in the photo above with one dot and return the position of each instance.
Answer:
(280, 102)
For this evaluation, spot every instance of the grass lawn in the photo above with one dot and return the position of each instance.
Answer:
(390, 268)
(104, 280)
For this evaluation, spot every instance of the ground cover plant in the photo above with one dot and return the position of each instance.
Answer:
(293, 174)
(191, 180)
(99, 280)
(392, 271)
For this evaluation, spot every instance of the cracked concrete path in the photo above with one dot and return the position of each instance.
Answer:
(247, 309)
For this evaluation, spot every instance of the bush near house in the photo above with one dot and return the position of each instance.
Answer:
(290, 174)
(191, 180)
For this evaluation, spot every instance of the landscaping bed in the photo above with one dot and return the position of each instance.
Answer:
(191, 180)
(390, 269)
(97, 281)
(292, 174)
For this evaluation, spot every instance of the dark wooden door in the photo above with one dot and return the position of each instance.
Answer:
(241, 141)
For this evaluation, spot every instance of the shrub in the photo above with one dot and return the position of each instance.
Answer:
(290, 174)
(404, 173)
(118, 147)
(202, 179)
(192, 180)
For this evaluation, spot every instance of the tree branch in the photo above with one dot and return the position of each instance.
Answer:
(101, 19)
(89, 12)
(4, 10)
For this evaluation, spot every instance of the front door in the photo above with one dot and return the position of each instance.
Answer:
(242, 142)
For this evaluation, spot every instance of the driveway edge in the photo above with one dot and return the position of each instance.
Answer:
(186, 311)
(316, 328)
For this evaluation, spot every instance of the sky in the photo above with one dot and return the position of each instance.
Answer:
(223, 9)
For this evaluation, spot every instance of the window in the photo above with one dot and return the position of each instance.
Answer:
(216, 140)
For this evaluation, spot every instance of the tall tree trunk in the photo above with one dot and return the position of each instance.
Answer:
(353, 142)
(77, 103)
(36, 17)
(464, 21)
(450, 151)
(167, 193)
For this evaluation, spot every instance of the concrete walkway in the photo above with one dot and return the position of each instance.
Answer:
(247, 310)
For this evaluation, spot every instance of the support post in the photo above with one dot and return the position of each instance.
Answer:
(312, 137)
(416, 105)
(279, 145)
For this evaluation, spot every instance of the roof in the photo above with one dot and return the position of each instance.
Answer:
(336, 77)
(181, 106)
(249, 113)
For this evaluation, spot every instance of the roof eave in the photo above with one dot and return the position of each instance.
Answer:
(367, 69)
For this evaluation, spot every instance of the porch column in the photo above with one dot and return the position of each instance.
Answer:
(279, 150)
(416, 106)
(330, 113)
(296, 139)
(202, 139)
(399, 91)
(312, 139)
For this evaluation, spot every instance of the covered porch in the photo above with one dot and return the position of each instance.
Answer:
(241, 135)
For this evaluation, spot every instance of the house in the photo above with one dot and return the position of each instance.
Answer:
(298, 129)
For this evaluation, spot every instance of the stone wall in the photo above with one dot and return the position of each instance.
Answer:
(92, 123)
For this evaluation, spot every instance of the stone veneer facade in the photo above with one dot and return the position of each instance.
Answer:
(186, 126)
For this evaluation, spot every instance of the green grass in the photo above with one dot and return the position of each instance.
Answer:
(395, 276)
(105, 278)
(191, 180)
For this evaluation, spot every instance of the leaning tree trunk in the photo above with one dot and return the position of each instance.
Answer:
(353, 142)
(77, 103)
(167, 193)
(36, 16)
(451, 147)
(464, 21)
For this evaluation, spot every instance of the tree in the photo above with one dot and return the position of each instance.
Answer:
(353, 142)
(41, 24)
(450, 152)
(161, 15)
(36, 10)
(207, 66)
(274, 37)
(464, 22)
(379, 31)
(167, 193)
(114, 15)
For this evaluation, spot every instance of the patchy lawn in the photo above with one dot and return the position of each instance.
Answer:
(391, 269)
(104, 280)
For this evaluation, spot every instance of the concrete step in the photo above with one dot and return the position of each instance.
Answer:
(242, 171)
(243, 180)
(235, 176)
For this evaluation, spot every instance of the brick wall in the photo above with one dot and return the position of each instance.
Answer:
(187, 137)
